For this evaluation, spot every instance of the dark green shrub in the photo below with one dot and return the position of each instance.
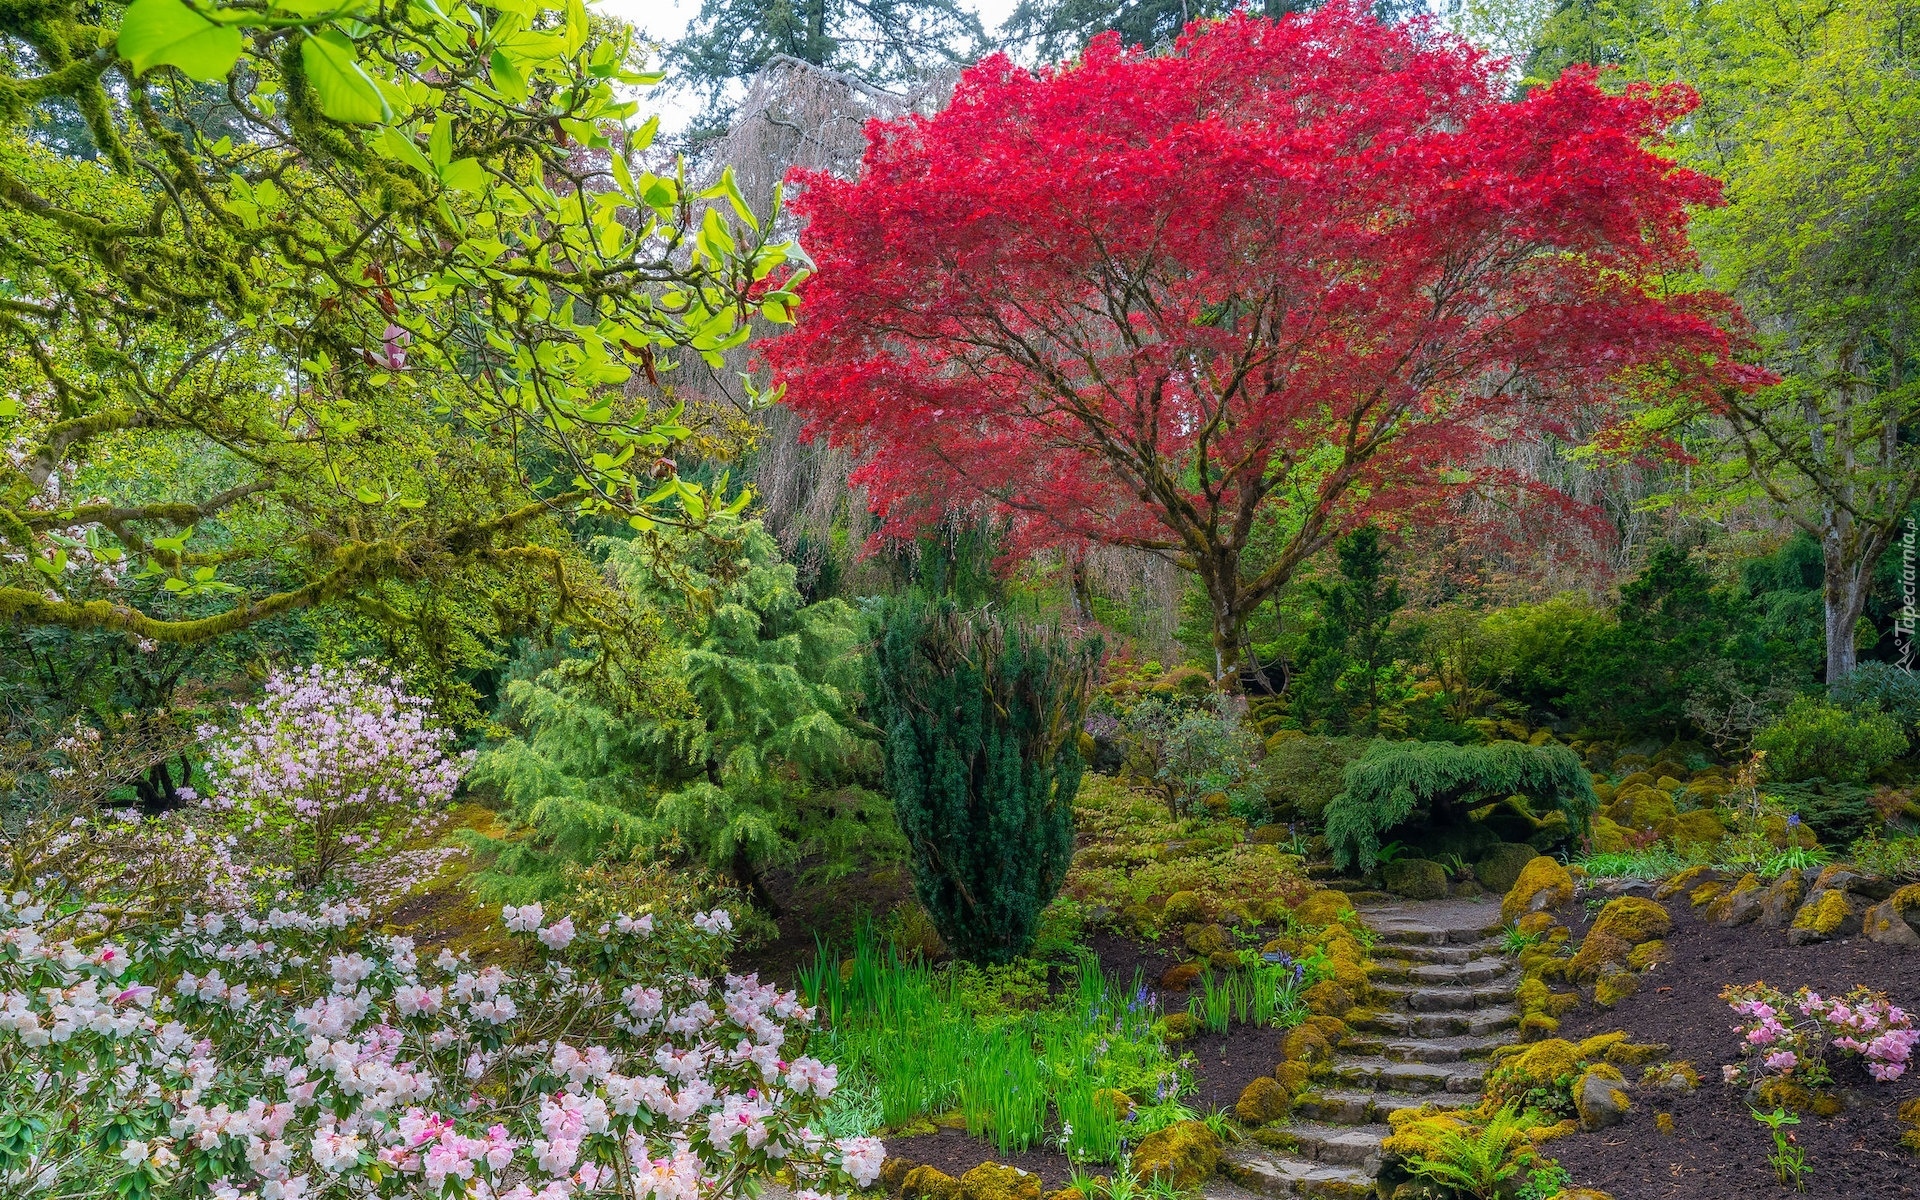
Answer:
(1838, 813)
(1817, 740)
(1439, 794)
(982, 720)
(1300, 776)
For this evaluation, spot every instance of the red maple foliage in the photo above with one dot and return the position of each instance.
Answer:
(1293, 276)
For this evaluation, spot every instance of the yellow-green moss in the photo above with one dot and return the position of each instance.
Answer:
(992, 1181)
(1706, 893)
(1543, 884)
(1664, 1123)
(1183, 1155)
(1327, 998)
(1824, 913)
(1262, 1101)
(1614, 986)
(1685, 881)
(929, 1183)
(1598, 951)
(1633, 919)
(1723, 904)
(1182, 908)
(1648, 953)
(1590, 1117)
(1322, 907)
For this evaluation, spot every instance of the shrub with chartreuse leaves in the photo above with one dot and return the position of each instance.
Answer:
(983, 764)
(1441, 794)
(1814, 739)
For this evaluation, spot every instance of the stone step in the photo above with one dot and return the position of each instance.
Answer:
(1483, 969)
(1436, 923)
(1470, 1022)
(1272, 1174)
(1349, 1145)
(1420, 999)
(1430, 1050)
(1363, 1106)
(1385, 954)
(1385, 1074)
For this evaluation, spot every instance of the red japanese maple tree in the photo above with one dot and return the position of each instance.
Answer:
(1296, 274)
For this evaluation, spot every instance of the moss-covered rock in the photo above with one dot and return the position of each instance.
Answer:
(1707, 892)
(1671, 1077)
(1620, 1049)
(1179, 977)
(1293, 1076)
(1415, 878)
(1262, 1101)
(1321, 907)
(1646, 954)
(1690, 830)
(1781, 900)
(1498, 867)
(992, 1181)
(1615, 984)
(1600, 1097)
(1327, 998)
(1183, 908)
(1609, 836)
(1183, 1155)
(1206, 939)
(1826, 915)
(929, 1183)
(1543, 884)
(1739, 904)
(1535, 1027)
(1176, 1027)
(1544, 1066)
(893, 1171)
(1683, 883)
(1537, 923)
(1633, 919)
(1597, 951)
(1886, 924)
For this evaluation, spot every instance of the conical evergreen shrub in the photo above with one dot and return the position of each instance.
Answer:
(981, 717)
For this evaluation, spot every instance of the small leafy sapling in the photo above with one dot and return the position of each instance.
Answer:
(1789, 1159)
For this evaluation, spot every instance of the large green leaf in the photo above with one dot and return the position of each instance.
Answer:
(346, 93)
(166, 33)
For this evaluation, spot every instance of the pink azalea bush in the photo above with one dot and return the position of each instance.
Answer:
(331, 774)
(296, 1054)
(1791, 1037)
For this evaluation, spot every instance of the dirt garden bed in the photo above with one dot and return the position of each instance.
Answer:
(1716, 1149)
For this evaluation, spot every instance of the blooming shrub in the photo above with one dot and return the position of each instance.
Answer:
(294, 1055)
(335, 769)
(1791, 1037)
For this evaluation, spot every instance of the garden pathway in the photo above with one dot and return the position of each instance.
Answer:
(1446, 1000)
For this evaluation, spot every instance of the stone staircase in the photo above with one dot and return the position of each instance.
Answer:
(1445, 1001)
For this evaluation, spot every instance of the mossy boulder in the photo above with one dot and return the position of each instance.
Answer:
(1641, 807)
(1327, 998)
(1308, 1044)
(1740, 903)
(1598, 951)
(1415, 878)
(992, 1181)
(1206, 939)
(1609, 836)
(1262, 1101)
(1828, 914)
(1600, 1097)
(1620, 1049)
(1293, 1076)
(1886, 924)
(1671, 1077)
(1633, 919)
(1781, 900)
(1176, 1027)
(1615, 984)
(1688, 830)
(1647, 954)
(1183, 908)
(1542, 1066)
(1183, 1155)
(1543, 884)
(929, 1183)
(1683, 883)
(1322, 907)
(1498, 867)
(1179, 977)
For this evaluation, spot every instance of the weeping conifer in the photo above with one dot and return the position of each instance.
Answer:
(981, 717)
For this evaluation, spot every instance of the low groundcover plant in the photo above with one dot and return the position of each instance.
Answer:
(1790, 1037)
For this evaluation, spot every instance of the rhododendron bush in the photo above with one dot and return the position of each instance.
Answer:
(335, 769)
(1229, 302)
(1791, 1037)
(293, 1054)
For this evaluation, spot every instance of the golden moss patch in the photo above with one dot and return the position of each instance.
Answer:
(1183, 1155)
(1543, 884)
(1633, 919)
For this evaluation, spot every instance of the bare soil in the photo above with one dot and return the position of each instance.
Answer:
(1717, 1149)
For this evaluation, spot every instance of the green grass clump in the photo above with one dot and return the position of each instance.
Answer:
(925, 1041)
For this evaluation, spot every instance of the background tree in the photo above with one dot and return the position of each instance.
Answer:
(1051, 30)
(982, 720)
(1812, 118)
(1299, 274)
(872, 42)
(1352, 649)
